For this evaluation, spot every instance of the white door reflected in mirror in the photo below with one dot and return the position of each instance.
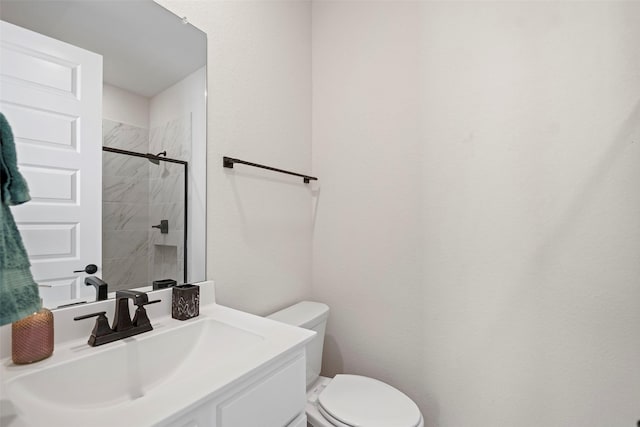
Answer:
(51, 94)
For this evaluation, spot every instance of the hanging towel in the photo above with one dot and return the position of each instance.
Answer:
(19, 295)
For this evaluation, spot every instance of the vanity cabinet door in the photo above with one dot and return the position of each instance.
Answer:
(275, 400)
(274, 397)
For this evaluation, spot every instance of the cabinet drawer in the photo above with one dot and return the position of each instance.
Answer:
(273, 401)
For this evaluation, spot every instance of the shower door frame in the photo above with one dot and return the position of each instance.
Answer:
(186, 193)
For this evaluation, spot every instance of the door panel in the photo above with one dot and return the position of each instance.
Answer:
(51, 94)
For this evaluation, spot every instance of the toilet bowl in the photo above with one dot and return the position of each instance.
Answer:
(345, 400)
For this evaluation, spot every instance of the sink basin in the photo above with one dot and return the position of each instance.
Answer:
(133, 368)
(157, 378)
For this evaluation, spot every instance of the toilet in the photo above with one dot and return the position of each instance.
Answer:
(345, 400)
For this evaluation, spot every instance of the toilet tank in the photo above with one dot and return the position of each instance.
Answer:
(308, 315)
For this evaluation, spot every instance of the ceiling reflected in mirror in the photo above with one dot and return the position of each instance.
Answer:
(135, 38)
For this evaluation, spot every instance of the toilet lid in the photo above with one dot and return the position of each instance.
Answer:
(361, 401)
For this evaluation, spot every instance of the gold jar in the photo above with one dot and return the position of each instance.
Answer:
(32, 337)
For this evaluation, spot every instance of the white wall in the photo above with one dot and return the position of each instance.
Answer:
(259, 100)
(122, 106)
(179, 99)
(367, 263)
(477, 233)
(187, 98)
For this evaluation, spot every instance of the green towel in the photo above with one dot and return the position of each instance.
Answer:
(19, 295)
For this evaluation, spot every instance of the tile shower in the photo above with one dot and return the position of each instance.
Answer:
(138, 194)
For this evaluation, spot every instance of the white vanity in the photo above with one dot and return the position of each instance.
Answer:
(224, 368)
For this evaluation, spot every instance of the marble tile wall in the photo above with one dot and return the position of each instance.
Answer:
(125, 207)
(125, 137)
(173, 136)
(138, 194)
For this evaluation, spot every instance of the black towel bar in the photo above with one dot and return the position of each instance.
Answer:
(228, 162)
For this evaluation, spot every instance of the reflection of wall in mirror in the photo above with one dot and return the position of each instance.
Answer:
(186, 99)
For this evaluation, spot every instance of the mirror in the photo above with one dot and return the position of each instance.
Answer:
(136, 76)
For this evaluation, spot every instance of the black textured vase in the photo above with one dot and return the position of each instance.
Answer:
(185, 302)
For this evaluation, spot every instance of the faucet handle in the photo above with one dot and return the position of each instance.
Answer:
(100, 329)
(89, 316)
(148, 302)
(140, 318)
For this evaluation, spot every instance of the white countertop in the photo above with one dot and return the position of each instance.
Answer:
(184, 386)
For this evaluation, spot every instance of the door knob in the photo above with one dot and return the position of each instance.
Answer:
(90, 269)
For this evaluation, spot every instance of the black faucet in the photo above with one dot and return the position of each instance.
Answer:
(123, 326)
(122, 319)
(101, 287)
